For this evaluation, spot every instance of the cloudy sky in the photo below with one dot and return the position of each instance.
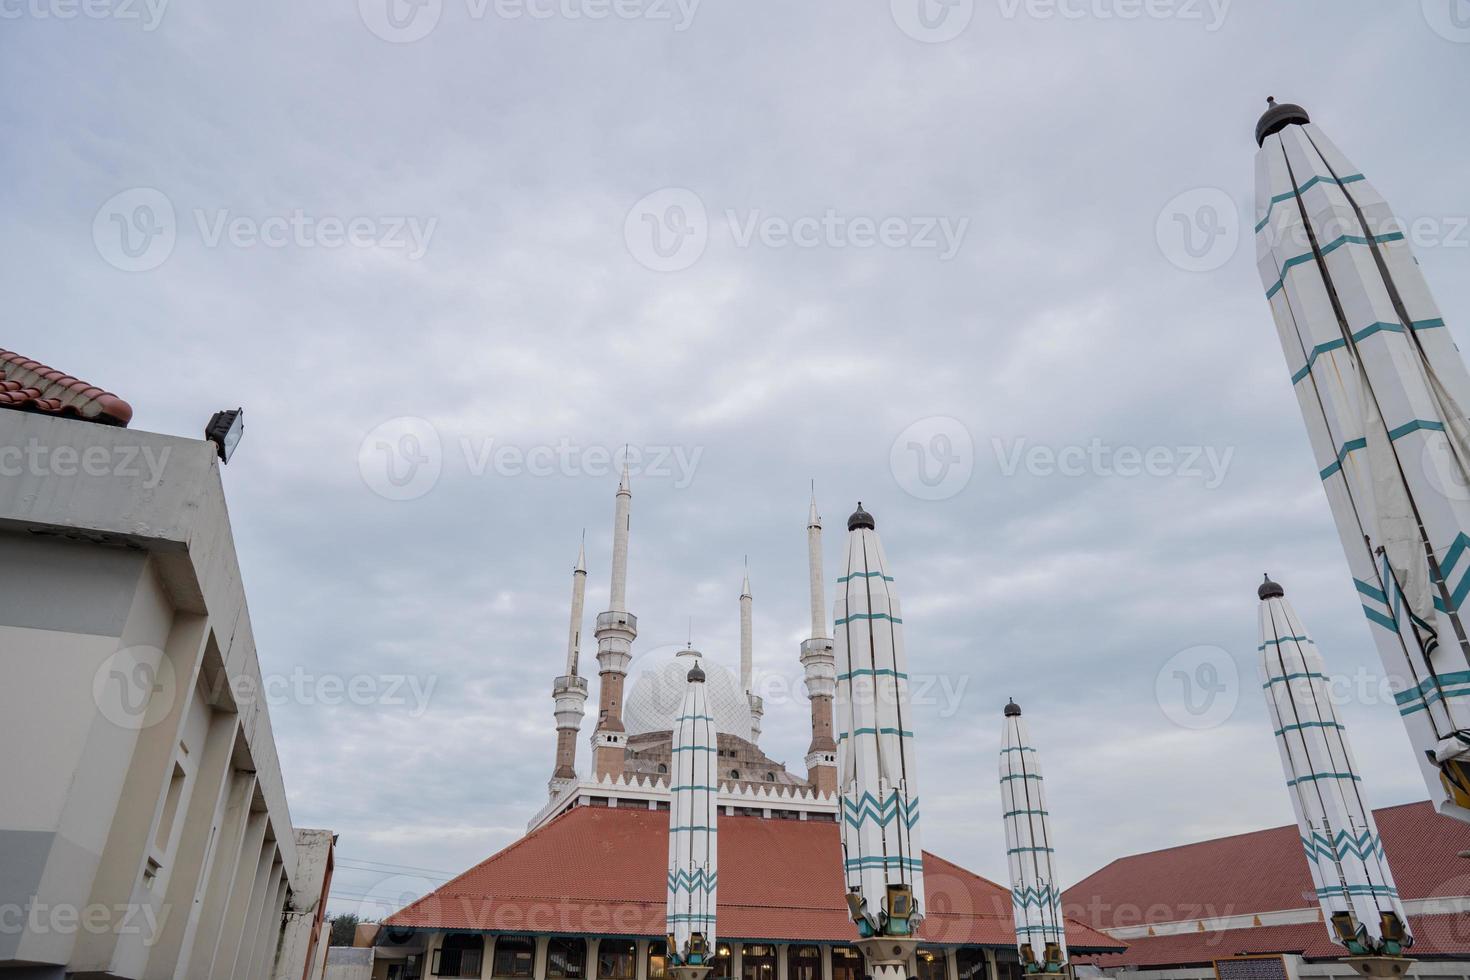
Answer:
(452, 256)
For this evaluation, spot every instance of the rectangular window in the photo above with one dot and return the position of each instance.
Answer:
(617, 959)
(847, 963)
(758, 962)
(658, 960)
(566, 959)
(970, 963)
(803, 963)
(515, 956)
(932, 965)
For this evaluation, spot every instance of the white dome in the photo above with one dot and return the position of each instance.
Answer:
(659, 690)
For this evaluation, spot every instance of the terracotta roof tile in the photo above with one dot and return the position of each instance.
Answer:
(32, 386)
(1434, 935)
(1264, 871)
(598, 871)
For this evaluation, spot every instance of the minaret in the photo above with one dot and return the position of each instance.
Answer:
(1360, 905)
(1036, 893)
(693, 833)
(818, 662)
(570, 690)
(1384, 394)
(877, 778)
(615, 632)
(747, 660)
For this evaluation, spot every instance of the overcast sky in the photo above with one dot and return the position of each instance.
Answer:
(450, 257)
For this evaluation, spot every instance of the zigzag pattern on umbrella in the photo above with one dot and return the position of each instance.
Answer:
(1043, 897)
(1363, 847)
(867, 807)
(697, 880)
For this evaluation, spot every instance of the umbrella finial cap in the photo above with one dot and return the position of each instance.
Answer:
(1013, 710)
(861, 518)
(1278, 116)
(1269, 589)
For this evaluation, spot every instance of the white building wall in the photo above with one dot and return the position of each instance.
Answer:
(145, 831)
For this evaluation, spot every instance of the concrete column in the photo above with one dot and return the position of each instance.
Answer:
(781, 960)
(640, 959)
(268, 928)
(248, 933)
(826, 962)
(208, 916)
(592, 947)
(237, 910)
(951, 964)
(737, 960)
(131, 835)
(203, 823)
(990, 965)
(540, 970)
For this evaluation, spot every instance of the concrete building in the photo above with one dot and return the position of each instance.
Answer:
(1245, 906)
(144, 831)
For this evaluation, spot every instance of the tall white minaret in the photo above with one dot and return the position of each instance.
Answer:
(569, 691)
(747, 659)
(820, 665)
(616, 629)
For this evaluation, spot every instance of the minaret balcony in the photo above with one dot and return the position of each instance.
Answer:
(816, 653)
(617, 619)
(569, 685)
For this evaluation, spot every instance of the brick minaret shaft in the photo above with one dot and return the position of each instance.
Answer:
(570, 690)
(615, 632)
(821, 672)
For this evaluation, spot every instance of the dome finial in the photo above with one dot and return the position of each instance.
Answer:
(1013, 710)
(1269, 589)
(861, 518)
(1277, 117)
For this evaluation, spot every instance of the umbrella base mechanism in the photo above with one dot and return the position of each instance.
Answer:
(689, 972)
(889, 957)
(1381, 967)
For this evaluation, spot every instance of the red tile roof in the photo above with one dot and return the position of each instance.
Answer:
(600, 871)
(1434, 935)
(32, 386)
(1264, 871)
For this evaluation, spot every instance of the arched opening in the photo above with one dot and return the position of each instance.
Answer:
(459, 956)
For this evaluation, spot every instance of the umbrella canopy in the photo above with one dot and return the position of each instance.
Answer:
(1036, 894)
(1344, 849)
(693, 828)
(1383, 391)
(876, 772)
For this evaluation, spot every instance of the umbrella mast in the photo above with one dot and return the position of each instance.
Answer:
(1036, 894)
(877, 778)
(693, 834)
(1383, 391)
(1350, 872)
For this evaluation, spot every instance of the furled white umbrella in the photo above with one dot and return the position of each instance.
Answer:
(1036, 893)
(693, 832)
